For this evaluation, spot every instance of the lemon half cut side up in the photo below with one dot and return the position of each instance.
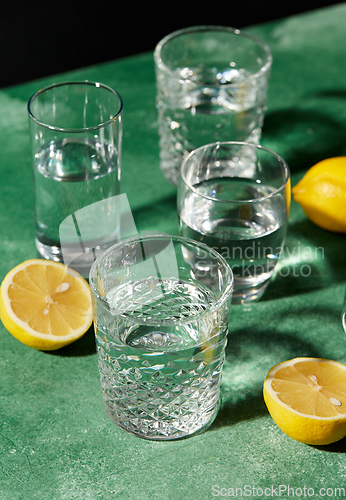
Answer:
(45, 304)
(306, 398)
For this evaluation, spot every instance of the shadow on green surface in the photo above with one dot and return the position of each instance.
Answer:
(302, 136)
(338, 447)
(151, 215)
(249, 356)
(313, 258)
(333, 93)
(231, 413)
(329, 240)
(85, 346)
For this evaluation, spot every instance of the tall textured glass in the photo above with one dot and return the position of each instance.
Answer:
(161, 307)
(235, 197)
(211, 86)
(76, 135)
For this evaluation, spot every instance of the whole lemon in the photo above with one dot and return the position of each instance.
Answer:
(322, 194)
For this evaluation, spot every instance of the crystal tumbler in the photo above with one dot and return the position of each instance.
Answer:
(211, 86)
(161, 306)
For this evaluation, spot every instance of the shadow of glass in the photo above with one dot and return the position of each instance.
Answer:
(313, 258)
(249, 356)
(303, 137)
(160, 214)
(331, 93)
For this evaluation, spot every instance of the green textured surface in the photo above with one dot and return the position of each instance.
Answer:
(56, 441)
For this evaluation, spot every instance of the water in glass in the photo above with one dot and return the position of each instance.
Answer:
(71, 174)
(160, 382)
(194, 114)
(249, 236)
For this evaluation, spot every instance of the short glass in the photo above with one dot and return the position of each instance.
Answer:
(76, 131)
(161, 306)
(211, 86)
(235, 197)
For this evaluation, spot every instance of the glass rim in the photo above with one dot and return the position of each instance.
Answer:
(158, 49)
(217, 304)
(73, 83)
(237, 143)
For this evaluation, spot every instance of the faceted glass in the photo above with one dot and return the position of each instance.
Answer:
(211, 86)
(161, 307)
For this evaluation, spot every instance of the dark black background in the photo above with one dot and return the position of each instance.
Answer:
(39, 38)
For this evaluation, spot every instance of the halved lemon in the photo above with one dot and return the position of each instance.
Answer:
(306, 398)
(45, 304)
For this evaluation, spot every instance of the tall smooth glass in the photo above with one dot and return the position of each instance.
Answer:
(235, 197)
(76, 132)
(161, 306)
(211, 86)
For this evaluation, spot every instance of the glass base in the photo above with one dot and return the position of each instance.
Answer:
(244, 293)
(49, 252)
(182, 431)
(77, 261)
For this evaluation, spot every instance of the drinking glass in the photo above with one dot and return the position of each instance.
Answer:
(211, 86)
(343, 315)
(161, 307)
(76, 131)
(235, 197)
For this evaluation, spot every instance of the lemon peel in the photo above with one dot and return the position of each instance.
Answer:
(322, 194)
